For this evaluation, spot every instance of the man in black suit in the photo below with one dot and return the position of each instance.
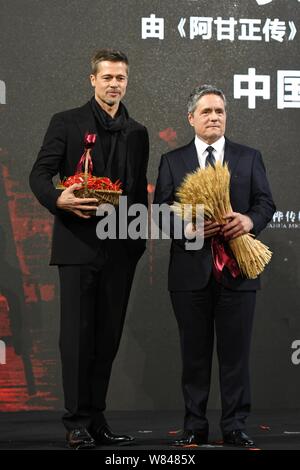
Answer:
(201, 302)
(95, 275)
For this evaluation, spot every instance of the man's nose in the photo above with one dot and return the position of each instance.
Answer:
(114, 82)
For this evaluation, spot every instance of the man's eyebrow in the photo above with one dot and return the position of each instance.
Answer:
(110, 75)
(204, 110)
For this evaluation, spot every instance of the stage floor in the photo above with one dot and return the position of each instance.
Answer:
(38, 430)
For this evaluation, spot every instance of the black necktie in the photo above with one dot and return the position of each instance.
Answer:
(210, 159)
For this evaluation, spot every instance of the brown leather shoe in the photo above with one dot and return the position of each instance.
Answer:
(191, 437)
(80, 438)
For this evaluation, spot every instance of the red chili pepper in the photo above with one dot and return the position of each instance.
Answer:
(93, 182)
(78, 179)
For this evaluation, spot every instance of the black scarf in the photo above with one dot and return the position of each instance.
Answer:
(110, 131)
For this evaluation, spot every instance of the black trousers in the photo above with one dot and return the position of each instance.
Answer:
(94, 299)
(230, 314)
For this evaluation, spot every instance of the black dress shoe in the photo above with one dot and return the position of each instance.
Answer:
(238, 438)
(104, 436)
(80, 438)
(190, 437)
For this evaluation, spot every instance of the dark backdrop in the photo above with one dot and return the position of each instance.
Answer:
(44, 68)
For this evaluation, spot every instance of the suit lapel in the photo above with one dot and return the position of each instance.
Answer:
(124, 167)
(231, 156)
(190, 157)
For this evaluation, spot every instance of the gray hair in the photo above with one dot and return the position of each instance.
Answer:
(200, 91)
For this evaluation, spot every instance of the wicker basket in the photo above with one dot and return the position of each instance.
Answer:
(102, 195)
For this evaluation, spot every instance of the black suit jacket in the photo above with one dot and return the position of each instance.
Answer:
(74, 239)
(249, 193)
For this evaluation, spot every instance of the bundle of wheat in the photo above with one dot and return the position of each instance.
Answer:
(210, 186)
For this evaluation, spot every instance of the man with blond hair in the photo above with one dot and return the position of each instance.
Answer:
(95, 275)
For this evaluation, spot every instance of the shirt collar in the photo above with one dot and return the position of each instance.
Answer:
(201, 146)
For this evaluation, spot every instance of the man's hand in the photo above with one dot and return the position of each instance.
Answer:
(237, 225)
(69, 202)
(209, 229)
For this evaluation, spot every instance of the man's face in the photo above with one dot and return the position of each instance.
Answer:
(209, 118)
(110, 82)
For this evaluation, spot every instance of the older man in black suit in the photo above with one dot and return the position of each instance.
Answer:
(95, 275)
(201, 302)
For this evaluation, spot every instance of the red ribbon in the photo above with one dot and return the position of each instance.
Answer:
(89, 142)
(222, 257)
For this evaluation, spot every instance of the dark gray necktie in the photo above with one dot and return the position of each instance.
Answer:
(210, 159)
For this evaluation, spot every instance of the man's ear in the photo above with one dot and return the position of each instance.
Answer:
(92, 79)
(191, 119)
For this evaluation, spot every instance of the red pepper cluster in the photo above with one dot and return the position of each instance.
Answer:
(93, 182)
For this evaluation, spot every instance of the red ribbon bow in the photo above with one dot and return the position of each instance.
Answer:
(89, 142)
(223, 257)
